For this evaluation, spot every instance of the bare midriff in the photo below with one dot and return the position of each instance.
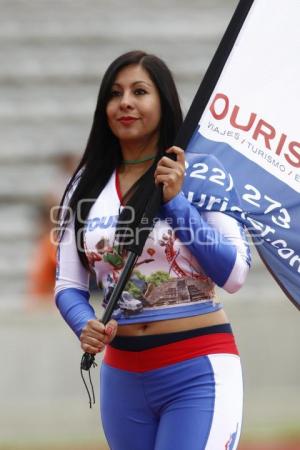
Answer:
(171, 326)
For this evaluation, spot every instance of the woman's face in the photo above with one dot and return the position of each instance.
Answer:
(134, 111)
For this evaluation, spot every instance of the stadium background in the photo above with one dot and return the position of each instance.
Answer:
(53, 54)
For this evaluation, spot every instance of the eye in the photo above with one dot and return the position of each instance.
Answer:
(115, 93)
(140, 91)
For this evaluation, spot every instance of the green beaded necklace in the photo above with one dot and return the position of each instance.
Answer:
(138, 161)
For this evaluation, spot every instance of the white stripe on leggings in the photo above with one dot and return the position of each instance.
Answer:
(227, 418)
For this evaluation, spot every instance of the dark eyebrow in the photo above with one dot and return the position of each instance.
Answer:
(144, 82)
(133, 84)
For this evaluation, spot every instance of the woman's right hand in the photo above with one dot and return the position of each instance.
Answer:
(95, 335)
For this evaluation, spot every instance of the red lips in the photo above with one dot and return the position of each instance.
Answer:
(127, 120)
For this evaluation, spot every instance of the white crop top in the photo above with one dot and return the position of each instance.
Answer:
(168, 280)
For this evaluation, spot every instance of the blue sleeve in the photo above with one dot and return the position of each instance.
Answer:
(75, 308)
(215, 253)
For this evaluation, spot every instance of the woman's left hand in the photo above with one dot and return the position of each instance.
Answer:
(170, 173)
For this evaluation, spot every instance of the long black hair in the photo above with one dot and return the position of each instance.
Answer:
(103, 152)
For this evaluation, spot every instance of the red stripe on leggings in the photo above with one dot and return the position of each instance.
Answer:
(175, 352)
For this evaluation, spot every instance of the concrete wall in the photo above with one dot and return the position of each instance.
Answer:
(53, 54)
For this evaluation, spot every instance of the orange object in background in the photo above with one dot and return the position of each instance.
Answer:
(43, 267)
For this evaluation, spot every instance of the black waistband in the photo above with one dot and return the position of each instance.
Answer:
(138, 343)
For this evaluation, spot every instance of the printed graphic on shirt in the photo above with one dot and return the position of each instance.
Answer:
(165, 275)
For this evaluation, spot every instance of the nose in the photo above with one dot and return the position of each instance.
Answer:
(126, 101)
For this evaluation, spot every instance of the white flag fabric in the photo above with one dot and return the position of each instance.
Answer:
(250, 123)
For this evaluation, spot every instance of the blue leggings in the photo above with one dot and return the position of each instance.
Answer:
(193, 404)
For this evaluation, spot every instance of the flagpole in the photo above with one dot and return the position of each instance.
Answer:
(213, 73)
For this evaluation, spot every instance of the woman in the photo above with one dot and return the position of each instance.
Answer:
(171, 376)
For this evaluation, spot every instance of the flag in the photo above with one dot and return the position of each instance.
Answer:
(245, 115)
